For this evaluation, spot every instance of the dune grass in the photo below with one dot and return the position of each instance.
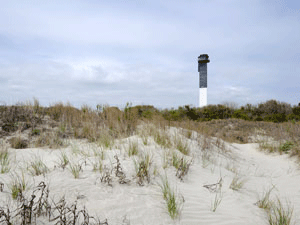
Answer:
(133, 148)
(174, 206)
(237, 183)
(182, 145)
(142, 168)
(162, 138)
(106, 139)
(181, 164)
(63, 160)
(37, 167)
(4, 158)
(278, 214)
(75, 169)
(265, 202)
(17, 185)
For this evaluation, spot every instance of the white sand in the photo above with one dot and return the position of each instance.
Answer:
(135, 205)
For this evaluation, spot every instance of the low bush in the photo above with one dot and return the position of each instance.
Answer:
(18, 143)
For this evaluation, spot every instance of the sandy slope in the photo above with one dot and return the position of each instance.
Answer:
(134, 204)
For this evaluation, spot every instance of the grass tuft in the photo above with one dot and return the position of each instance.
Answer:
(63, 160)
(4, 159)
(75, 169)
(38, 167)
(278, 215)
(106, 139)
(173, 204)
(265, 202)
(162, 138)
(142, 167)
(17, 186)
(182, 146)
(237, 183)
(133, 148)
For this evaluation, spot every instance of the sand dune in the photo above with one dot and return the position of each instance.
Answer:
(134, 204)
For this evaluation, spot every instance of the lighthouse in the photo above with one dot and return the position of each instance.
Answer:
(202, 69)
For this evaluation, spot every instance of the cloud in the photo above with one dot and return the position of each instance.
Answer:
(146, 51)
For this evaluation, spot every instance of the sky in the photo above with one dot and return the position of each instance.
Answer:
(92, 52)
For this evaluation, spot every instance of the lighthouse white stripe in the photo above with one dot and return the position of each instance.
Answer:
(202, 97)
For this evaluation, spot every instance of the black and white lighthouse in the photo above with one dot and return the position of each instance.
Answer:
(202, 69)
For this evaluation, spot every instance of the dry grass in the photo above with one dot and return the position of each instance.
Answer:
(265, 201)
(37, 167)
(63, 160)
(142, 167)
(106, 123)
(4, 158)
(133, 148)
(18, 143)
(50, 139)
(181, 145)
(162, 138)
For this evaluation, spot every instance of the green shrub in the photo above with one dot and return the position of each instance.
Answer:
(35, 132)
(286, 146)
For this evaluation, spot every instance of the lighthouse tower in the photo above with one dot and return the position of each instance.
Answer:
(202, 69)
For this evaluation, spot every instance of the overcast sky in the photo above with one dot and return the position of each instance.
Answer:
(145, 52)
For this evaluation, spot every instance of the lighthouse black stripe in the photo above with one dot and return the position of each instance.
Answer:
(202, 68)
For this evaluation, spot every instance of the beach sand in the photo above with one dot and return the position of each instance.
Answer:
(199, 201)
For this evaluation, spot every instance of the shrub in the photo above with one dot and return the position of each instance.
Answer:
(286, 146)
(18, 143)
(35, 132)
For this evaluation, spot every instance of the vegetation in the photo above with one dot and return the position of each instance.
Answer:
(38, 167)
(75, 169)
(27, 125)
(4, 158)
(278, 215)
(173, 203)
(133, 148)
(237, 183)
(265, 201)
(52, 126)
(142, 167)
(17, 186)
